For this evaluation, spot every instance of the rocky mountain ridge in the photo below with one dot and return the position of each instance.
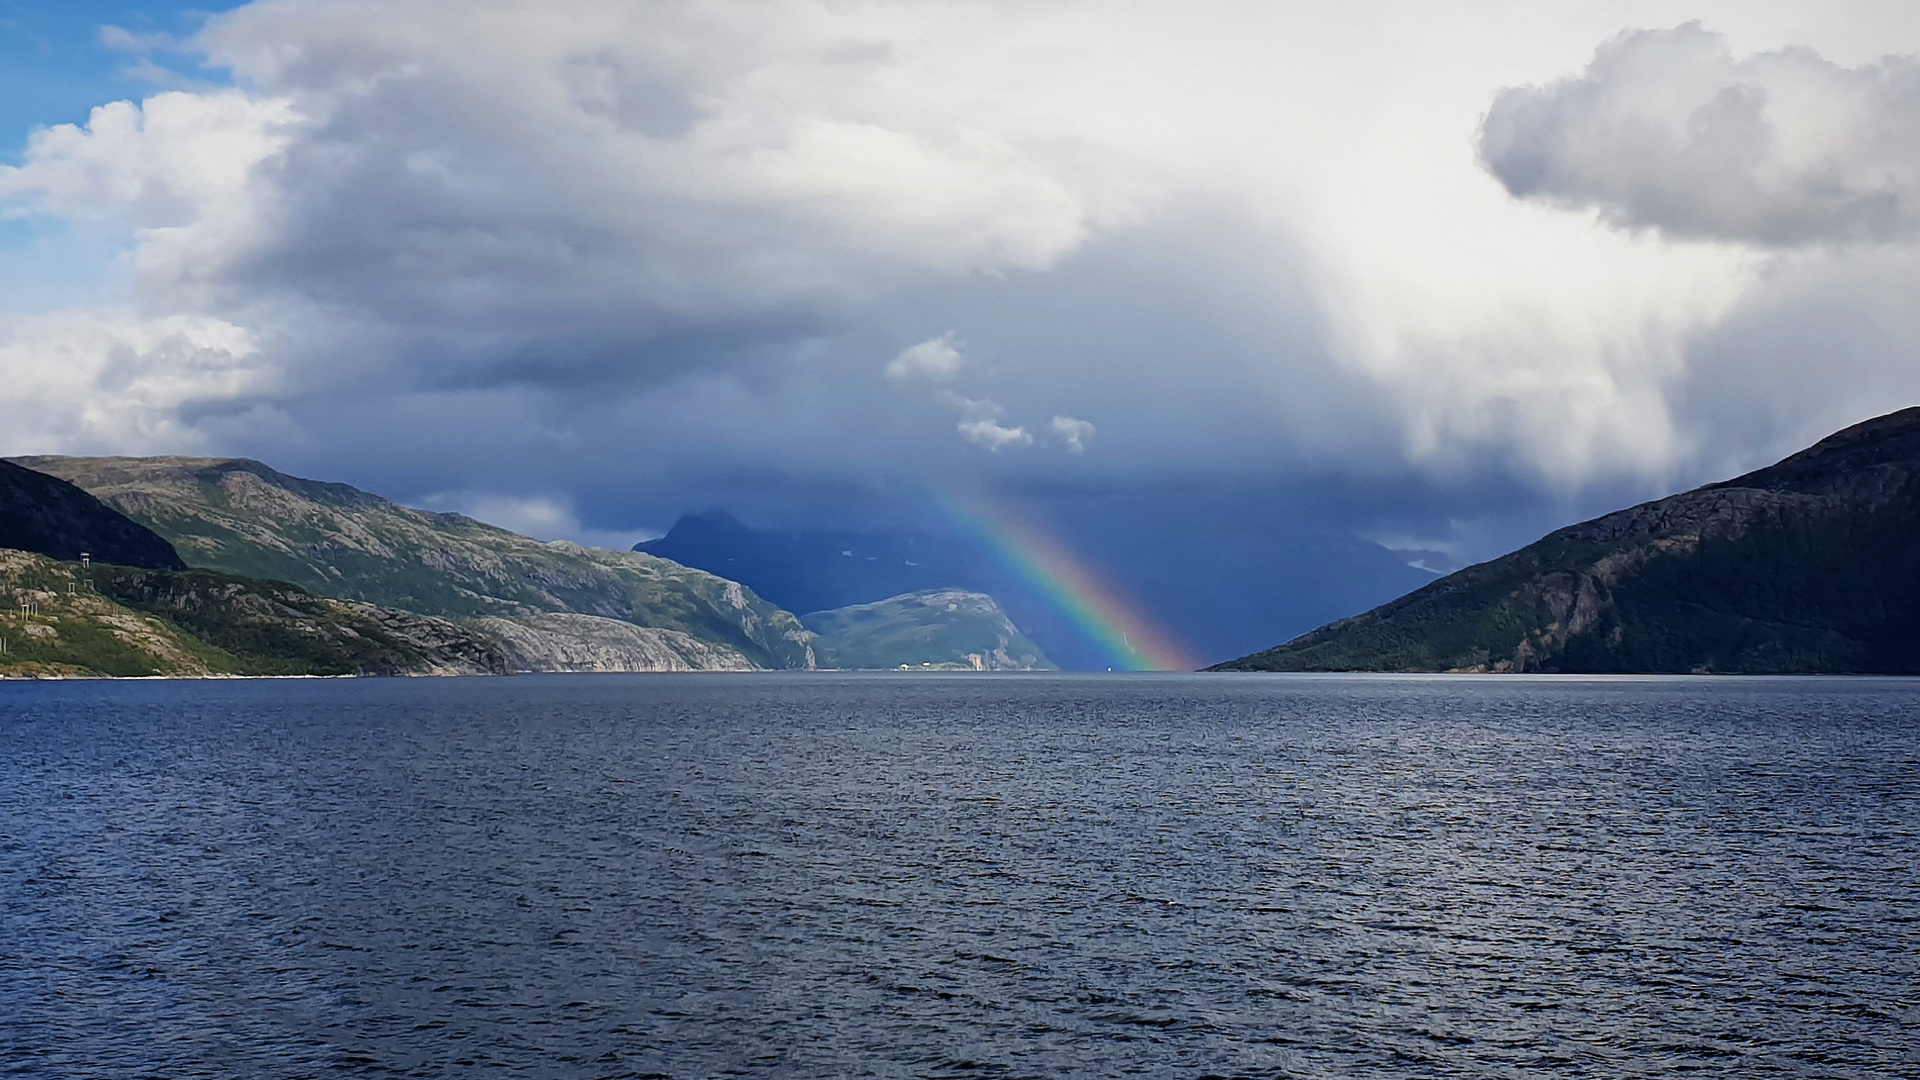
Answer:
(1808, 565)
(243, 517)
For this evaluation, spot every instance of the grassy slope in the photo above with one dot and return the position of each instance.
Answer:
(74, 631)
(244, 518)
(122, 621)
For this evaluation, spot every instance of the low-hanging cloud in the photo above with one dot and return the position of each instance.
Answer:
(1667, 130)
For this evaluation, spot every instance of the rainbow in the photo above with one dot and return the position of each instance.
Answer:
(1129, 639)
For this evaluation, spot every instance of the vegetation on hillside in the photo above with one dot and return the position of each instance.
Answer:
(63, 619)
(1810, 565)
(244, 518)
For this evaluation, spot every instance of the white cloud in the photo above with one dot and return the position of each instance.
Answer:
(980, 423)
(183, 171)
(935, 359)
(176, 160)
(688, 160)
(1668, 130)
(1075, 433)
(80, 381)
(993, 435)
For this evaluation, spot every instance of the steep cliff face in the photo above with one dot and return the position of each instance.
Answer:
(949, 629)
(62, 619)
(242, 517)
(1809, 565)
(49, 516)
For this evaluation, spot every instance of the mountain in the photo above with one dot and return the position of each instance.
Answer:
(825, 569)
(64, 619)
(49, 516)
(819, 569)
(1809, 565)
(241, 517)
(1219, 567)
(939, 628)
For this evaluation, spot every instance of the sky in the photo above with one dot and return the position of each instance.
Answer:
(1411, 279)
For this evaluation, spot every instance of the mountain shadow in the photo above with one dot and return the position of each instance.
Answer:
(49, 516)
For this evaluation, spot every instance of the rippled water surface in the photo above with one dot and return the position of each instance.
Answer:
(772, 875)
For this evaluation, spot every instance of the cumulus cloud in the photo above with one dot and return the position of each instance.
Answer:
(607, 180)
(1668, 130)
(415, 194)
(115, 382)
(177, 160)
(935, 359)
(1076, 434)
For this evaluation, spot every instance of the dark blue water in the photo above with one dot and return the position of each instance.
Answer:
(961, 876)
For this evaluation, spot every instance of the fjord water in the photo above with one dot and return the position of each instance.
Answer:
(787, 875)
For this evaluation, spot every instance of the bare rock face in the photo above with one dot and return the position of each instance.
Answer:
(439, 646)
(571, 642)
(1809, 565)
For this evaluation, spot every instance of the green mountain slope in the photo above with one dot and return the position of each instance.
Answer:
(949, 629)
(242, 517)
(62, 619)
(1810, 565)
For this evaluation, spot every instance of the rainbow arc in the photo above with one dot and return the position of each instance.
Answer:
(1114, 623)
